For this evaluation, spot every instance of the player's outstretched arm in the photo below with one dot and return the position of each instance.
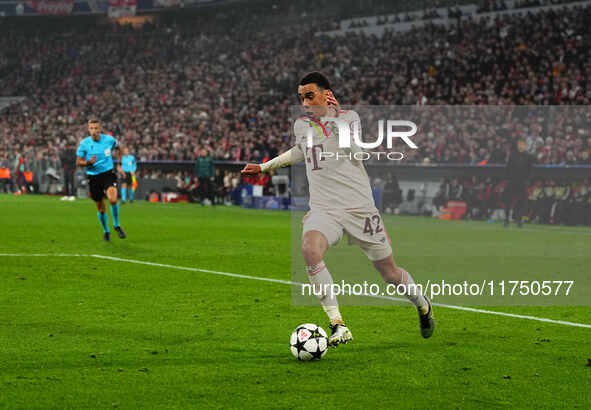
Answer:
(287, 158)
(251, 169)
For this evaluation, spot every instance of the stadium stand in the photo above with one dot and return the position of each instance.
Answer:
(179, 89)
(180, 84)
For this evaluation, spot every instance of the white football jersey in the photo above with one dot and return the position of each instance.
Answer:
(336, 179)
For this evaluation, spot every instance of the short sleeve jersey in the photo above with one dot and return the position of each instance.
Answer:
(103, 149)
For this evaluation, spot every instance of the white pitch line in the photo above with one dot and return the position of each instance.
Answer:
(291, 283)
(288, 282)
(45, 254)
(163, 265)
(492, 312)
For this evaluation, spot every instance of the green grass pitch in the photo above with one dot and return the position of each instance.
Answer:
(81, 332)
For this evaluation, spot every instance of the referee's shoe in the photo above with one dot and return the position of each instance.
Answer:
(120, 232)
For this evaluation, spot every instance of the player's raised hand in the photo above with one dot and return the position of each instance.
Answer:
(332, 102)
(92, 160)
(251, 169)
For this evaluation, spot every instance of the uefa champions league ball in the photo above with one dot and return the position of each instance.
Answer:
(309, 342)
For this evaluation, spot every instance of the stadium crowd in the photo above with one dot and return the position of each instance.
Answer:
(179, 87)
(176, 89)
(550, 201)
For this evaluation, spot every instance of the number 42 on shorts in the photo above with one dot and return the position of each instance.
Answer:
(376, 221)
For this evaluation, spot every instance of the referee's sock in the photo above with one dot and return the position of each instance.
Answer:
(115, 214)
(124, 194)
(131, 192)
(102, 217)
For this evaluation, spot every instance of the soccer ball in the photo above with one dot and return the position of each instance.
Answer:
(309, 342)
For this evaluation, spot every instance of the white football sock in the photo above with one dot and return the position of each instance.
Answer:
(413, 292)
(321, 280)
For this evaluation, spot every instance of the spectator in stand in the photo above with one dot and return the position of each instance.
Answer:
(456, 190)
(470, 196)
(442, 195)
(392, 197)
(228, 187)
(189, 185)
(220, 191)
(559, 209)
(587, 207)
(5, 174)
(546, 201)
(263, 179)
(535, 194)
(581, 204)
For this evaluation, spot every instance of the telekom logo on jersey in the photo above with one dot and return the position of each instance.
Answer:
(386, 131)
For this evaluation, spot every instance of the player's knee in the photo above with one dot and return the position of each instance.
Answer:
(112, 195)
(312, 254)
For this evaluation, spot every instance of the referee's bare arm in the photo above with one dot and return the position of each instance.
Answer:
(81, 162)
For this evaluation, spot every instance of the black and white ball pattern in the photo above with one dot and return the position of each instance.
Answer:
(309, 342)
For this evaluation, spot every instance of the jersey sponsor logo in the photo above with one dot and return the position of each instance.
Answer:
(313, 155)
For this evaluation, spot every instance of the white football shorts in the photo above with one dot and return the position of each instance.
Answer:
(364, 228)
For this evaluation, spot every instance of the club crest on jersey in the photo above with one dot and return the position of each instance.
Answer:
(325, 129)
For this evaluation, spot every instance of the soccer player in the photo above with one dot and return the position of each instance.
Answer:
(95, 152)
(341, 201)
(128, 166)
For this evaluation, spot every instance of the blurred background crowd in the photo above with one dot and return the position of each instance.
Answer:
(224, 81)
(170, 89)
(550, 201)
